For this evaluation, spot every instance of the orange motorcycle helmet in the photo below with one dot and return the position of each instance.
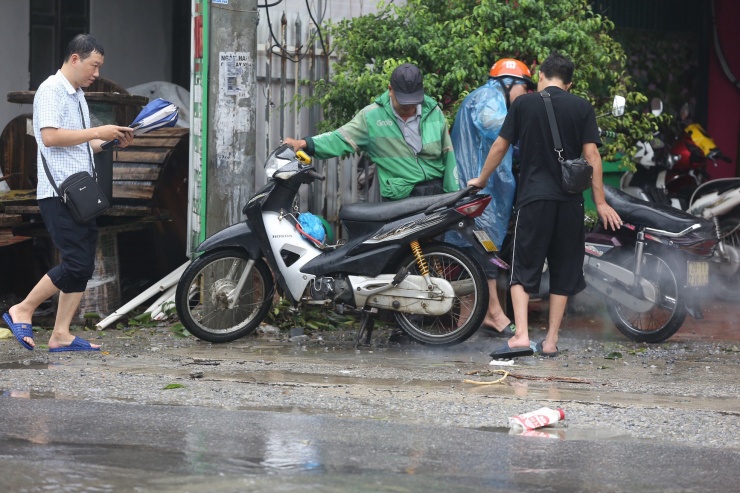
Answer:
(509, 67)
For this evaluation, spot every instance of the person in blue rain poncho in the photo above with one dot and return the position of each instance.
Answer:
(477, 125)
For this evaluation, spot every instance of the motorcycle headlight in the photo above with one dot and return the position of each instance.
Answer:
(277, 159)
(272, 165)
(671, 160)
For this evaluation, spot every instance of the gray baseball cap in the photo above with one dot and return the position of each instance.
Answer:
(407, 84)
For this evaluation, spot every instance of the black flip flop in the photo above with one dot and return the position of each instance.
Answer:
(506, 352)
(507, 331)
(538, 350)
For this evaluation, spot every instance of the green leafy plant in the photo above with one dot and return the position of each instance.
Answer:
(284, 317)
(455, 42)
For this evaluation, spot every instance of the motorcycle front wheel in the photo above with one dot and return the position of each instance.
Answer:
(468, 307)
(206, 287)
(667, 313)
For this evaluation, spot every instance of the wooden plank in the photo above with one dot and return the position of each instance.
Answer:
(7, 238)
(147, 140)
(17, 196)
(130, 191)
(26, 97)
(136, 172)
(137, 156)
(10, 219)
(178, 131)
(116, 210)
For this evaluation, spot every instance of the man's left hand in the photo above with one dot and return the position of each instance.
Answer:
(609, 216)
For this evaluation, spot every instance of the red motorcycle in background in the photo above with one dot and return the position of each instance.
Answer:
(670, 173)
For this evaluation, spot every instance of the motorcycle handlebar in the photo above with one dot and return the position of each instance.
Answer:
(316, 175)
(608, 133)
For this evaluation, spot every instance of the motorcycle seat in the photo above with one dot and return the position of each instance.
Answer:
(659, 216)
(385, 211)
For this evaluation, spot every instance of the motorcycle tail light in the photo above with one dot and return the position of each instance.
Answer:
(696, 245)
(475, 208)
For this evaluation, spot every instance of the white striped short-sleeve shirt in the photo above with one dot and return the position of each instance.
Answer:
(57, 105)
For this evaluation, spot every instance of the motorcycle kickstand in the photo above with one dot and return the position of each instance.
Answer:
(367, 325)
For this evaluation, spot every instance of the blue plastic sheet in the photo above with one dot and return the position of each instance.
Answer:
(312, 225)
(477, 125)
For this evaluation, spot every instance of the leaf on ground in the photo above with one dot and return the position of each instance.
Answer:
(173, 386)
(179, 330)
(613, 355)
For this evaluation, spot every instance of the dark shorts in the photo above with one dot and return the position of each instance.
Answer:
(76, 244)
(552, 230)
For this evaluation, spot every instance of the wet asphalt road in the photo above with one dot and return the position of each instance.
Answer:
(73, 446)
(267, 414)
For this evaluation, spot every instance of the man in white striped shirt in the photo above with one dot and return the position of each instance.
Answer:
(61, 122)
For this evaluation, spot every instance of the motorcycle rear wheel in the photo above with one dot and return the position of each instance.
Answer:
(724, 278)
(468, 310)
(201, 298)
(667, 314)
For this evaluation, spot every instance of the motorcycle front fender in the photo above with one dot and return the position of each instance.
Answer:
(239, 235)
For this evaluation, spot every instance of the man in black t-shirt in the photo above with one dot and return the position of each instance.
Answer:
(549, 221)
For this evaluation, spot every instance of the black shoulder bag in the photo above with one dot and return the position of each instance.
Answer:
(80, 192)
(577, 173)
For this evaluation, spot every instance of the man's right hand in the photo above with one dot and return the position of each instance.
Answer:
(297, 145)
(124, 135)
(477, 183)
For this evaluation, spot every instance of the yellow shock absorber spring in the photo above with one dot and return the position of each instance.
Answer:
(420, 260)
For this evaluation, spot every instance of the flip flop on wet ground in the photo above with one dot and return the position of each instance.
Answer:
(507, 352)
(19, 330)
(78, 344)
(538, 350)
(507, 331)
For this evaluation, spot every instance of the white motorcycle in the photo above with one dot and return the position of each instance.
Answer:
(719, 201)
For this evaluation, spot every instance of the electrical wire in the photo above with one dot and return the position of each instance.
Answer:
(295, 56)
(318, 28)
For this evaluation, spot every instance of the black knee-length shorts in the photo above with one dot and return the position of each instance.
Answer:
(552, 230)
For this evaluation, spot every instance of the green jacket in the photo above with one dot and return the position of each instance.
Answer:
(374, 131)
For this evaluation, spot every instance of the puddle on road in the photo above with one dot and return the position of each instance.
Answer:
(562, 433)
(29, 394)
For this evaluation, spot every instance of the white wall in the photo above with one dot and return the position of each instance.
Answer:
(14, 52)
(136, 35)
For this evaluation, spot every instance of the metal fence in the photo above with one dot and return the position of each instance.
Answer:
(281, 75)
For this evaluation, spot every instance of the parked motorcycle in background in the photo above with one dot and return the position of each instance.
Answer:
(650, 271)
(676, 174)
(719, 202)
(669, 169)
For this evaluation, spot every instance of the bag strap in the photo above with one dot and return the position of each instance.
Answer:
(89, 148)
(553, 125)
(92, 161)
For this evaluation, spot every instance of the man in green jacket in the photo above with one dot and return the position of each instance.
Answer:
(404, 133)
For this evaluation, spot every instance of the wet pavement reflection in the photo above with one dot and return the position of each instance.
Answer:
(74, 446)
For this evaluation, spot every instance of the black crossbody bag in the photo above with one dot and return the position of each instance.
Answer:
(80, 192)
(577, 173)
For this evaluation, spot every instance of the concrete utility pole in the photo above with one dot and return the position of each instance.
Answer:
(232, 102)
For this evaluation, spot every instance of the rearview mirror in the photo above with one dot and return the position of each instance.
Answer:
(618, 105)
(656, 106)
